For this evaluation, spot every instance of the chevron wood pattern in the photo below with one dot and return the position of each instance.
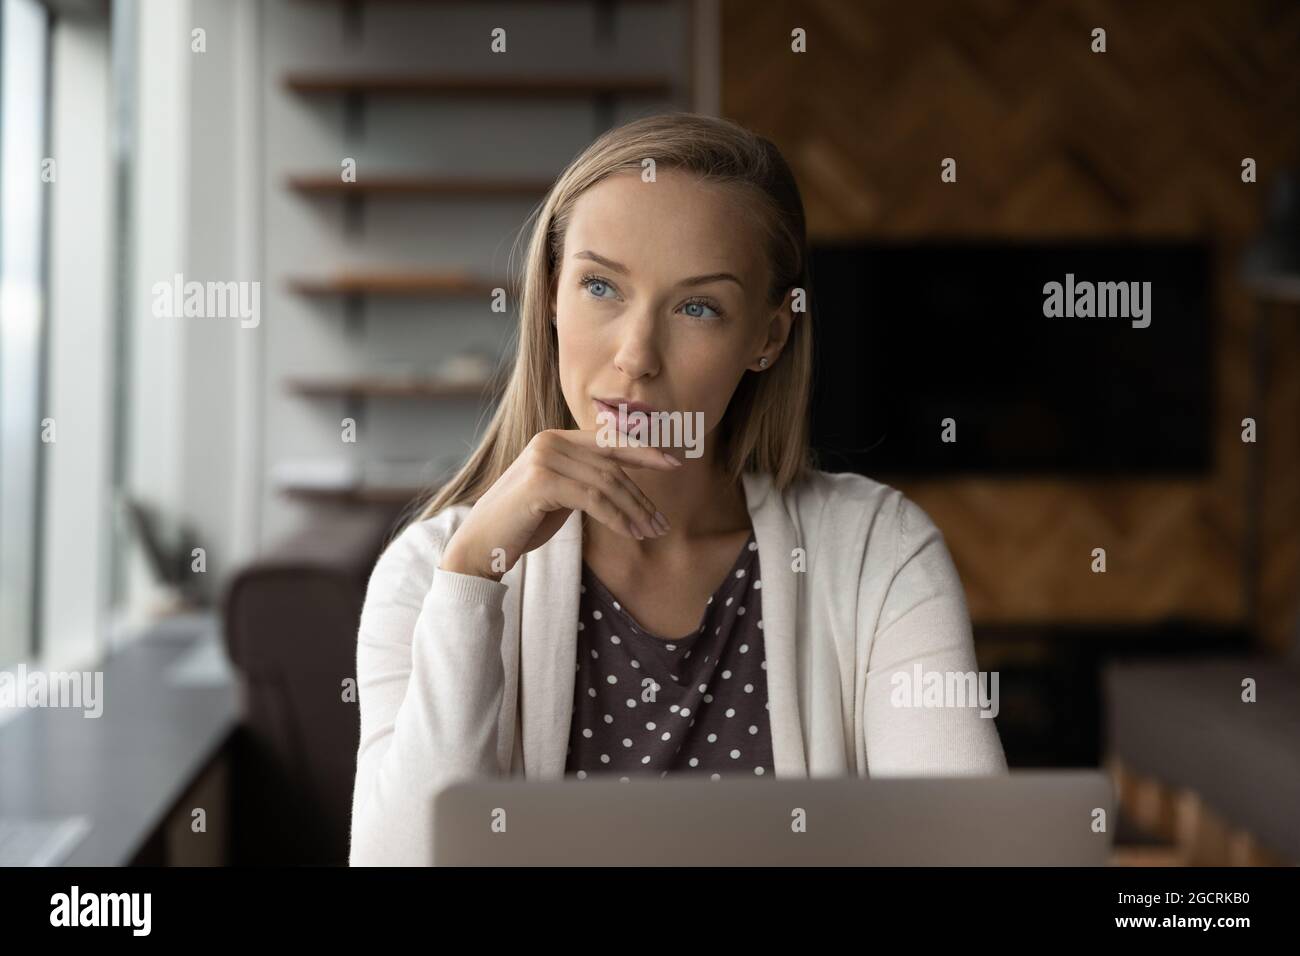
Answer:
(1054, 141)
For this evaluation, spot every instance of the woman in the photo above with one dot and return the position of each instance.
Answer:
(576, 601)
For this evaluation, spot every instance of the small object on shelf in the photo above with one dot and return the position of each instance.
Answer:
(323, 474)
(471, 367)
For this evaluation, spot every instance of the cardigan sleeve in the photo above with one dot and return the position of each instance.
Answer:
(430, 685)
(926, 699)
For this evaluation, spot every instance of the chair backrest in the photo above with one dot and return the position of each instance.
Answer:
(290, 624)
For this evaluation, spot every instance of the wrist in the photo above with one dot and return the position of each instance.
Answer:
(455, 560)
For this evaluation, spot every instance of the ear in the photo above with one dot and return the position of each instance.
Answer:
(779, 323)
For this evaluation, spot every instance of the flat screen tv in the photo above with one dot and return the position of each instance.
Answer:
(1107, 373)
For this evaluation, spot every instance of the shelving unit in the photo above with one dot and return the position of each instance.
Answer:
(357, 84)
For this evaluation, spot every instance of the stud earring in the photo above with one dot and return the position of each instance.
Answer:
(762, 363)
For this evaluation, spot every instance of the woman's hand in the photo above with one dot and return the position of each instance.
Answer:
(559, 472)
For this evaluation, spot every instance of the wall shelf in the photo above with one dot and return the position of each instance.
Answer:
(513, 86)
(356, 495)
(397, 284)
(418, 186)
(374, 387)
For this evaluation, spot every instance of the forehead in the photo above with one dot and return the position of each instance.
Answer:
(676, 226)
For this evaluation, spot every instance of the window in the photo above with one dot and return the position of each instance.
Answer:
(24, 94)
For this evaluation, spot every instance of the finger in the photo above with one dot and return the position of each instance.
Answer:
(610, 478)
(631, 455)
(566, 492)
(594, 453)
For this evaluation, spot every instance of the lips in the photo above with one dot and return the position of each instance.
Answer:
(613, 403)
(611, 407)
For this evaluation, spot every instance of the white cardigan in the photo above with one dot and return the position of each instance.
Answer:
(461, 676)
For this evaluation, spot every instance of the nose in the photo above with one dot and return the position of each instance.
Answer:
(638, 355)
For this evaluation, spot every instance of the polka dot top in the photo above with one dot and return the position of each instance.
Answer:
(644, 704)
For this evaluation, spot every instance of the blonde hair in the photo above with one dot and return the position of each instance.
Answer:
(765, 427)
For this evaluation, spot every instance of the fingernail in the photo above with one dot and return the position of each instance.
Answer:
(671, 460)
(662, 522)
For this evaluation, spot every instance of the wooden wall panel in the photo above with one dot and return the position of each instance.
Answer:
(1054, 141)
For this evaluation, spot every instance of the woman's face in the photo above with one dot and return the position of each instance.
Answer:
(660, 298)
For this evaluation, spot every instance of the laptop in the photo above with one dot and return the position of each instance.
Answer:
(1024, 818)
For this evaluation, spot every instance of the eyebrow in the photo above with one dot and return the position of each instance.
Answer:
(619, 267)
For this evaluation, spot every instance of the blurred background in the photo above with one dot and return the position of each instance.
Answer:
(190, 504)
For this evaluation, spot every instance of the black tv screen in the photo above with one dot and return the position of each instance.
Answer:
(909, 335)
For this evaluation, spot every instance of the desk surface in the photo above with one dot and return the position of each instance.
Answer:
(126, 769)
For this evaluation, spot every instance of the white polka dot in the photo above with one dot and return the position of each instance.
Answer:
(582, 588)
(609, 719)
(612, 679)
(758, 585)
(688, 653)
(759, 771)
(731, 712)
(740, 573)
(709, 601)
(753, 729)
(708, 698)
(763, 665)
(586, 732)
(713, 738)
(650, 725)
(686, 712)
(614, 639)
(674, 708)
(617, 606)
(591, 692)
(753, 546)
(595, 655)
(645, 759)
(703, 688)
(749, 688)
(740, 610)
(627, 741)
(726, 675)
(672, 647)
(604, 758)
(729, 600)
(666, 736)
(735, 754)
(715, 777)
(673, 676)
(692, 721)
(623, 780)
(582, 775)
(744, 648)
(767, 706)
(760, 624)
(694, 761)
(631, 702)
(596, 615)
(580, 625)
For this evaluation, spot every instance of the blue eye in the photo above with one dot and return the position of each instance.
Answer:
(594, 284)
(697, 304)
